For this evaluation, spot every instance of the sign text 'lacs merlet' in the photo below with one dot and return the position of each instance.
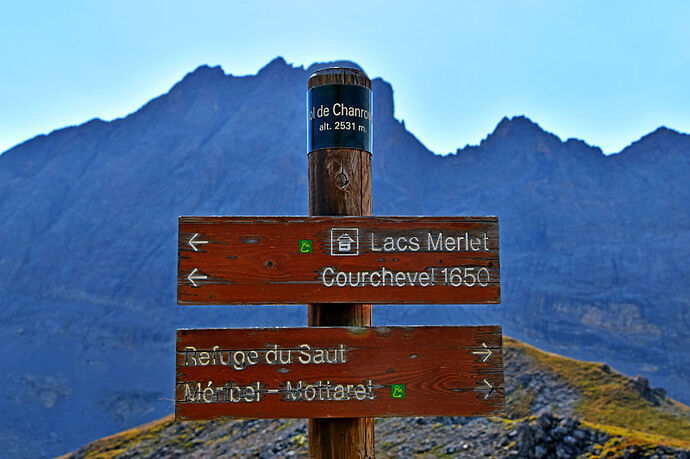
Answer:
(298, 260)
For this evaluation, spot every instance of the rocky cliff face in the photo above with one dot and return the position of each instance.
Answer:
(593, 248)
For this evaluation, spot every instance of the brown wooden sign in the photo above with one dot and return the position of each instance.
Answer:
(299, 260)
(329, 372)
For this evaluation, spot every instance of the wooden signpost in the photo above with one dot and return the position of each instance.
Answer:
(300, 260)
(340, 372)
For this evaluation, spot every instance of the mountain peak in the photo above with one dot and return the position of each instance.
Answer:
(507, 125)
(662, 138)
(518, 126)
(206, 71)
(276, 65)
(521, 130)
(662, 133)
(202, 75)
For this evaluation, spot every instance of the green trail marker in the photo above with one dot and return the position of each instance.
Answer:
(397, 390)
(305, 246)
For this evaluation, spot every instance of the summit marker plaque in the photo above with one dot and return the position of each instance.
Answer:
(339, 116)
(298, 260)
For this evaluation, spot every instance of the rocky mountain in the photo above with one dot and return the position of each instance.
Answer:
(593, 247)
(557, 408)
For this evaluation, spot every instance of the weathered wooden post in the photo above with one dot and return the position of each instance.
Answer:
(340, 184)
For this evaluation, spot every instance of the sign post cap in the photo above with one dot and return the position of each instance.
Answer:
(339, 75)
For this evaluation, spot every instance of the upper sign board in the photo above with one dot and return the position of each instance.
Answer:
(300, 260)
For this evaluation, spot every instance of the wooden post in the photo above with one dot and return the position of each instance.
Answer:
(340, 184)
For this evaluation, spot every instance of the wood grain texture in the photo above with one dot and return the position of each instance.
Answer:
(442, 369)
(340, 182)
(255, 260)
(343, 438)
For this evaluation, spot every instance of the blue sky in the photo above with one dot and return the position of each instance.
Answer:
(607, 72)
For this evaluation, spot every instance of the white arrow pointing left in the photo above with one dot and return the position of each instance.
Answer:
(193, 242)
(194, 276)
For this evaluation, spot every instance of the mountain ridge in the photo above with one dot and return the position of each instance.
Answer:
(206, 72)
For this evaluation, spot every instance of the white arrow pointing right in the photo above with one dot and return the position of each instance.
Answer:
(486, 352)
(489, 388)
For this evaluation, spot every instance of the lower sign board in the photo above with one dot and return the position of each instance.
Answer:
(298, 260)
(329, 372)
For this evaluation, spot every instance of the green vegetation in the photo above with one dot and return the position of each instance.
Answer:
(437, 451)
(299, 440)
(113, 446)
(284, 425)
(188, 438)
(611, 402)
(518, 403)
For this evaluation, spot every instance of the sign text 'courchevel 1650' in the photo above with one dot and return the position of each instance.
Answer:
(298, 260)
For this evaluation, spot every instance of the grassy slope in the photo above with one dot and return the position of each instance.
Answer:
(114, 445)
(611, 402)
